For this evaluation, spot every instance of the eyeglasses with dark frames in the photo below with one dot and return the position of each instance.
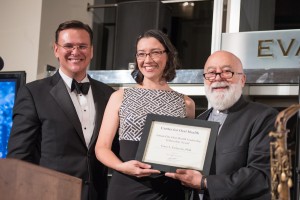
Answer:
(153, 54)
(225, 75)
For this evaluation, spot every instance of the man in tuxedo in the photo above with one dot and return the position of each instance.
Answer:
(241, 164)
(56, 120)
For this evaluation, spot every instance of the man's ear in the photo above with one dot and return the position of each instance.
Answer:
(55, 49)
(243, 80)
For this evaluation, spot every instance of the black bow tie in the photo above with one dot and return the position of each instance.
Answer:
(80, 87)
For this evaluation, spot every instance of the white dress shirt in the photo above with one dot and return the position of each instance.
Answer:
(85, 107)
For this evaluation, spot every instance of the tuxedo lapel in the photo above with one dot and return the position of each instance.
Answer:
(99, 107)
(60, 93)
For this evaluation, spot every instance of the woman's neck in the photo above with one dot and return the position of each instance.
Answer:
(159, 85)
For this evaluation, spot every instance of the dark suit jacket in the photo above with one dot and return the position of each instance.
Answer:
(242, 153)
(47, 131)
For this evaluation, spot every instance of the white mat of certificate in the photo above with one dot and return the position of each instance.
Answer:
(177, 145)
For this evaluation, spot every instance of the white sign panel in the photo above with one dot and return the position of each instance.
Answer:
(265, 49)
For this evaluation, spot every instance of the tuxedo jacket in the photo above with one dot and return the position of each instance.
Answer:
(47, 131)
(242, 153)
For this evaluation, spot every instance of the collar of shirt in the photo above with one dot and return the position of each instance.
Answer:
(218, 116)
(68, 80)
(217, 112)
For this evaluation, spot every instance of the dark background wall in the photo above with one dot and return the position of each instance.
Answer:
(189, 27)
(134, 18)
(117, 27)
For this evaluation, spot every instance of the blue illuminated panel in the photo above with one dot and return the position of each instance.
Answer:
(7, 99)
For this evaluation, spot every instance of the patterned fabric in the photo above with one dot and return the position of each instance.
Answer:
(139, 102)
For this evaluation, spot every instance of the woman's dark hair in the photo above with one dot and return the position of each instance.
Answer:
(73, 24)
(172, 62)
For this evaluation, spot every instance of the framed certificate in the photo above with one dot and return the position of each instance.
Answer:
(169, 143)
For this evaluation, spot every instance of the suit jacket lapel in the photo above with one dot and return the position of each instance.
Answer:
(63, 99)
(231, 114)
(100, 104)
(205, 114)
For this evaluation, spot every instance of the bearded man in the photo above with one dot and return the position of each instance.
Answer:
(241, 164)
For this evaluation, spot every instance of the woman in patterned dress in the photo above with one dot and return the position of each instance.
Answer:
(156, 61)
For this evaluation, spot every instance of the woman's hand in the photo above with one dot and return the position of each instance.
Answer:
(136, 168)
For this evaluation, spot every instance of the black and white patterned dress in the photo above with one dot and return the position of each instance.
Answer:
(137, 103)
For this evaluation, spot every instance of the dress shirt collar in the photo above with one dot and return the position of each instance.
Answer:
(68, 80)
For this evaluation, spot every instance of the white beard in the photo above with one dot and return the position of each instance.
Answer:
(224, 99)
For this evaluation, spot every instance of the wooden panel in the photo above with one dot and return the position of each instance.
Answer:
(22, 180)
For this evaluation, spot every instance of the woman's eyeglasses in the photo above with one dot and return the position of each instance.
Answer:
(153, 54)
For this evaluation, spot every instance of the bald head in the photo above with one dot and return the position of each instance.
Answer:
(222, 59)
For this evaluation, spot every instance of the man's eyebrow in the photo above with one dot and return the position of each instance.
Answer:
(222, 67)
(211, 67)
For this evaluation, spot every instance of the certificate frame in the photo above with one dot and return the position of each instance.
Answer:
(169, 143)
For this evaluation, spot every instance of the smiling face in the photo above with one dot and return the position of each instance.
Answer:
(151, 67)
(223, 93)
(74, 62)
